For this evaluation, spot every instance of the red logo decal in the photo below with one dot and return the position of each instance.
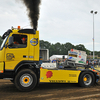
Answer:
(79, 56)
(49, 74)
(72, 50)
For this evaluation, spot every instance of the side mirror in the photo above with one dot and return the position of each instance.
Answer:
(10, 41)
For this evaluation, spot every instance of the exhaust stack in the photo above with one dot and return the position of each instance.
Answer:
(33, 11)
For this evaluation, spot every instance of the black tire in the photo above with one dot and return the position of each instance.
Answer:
(25, 80)
(86, 79)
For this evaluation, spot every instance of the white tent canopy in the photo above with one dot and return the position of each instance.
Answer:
(57, 57)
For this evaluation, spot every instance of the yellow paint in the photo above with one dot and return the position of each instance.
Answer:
(59, 76)
(36, 48)
(18, 54)
(1, 67)
(2, 54)
(26, 80)
(85, 79)
(12, 56)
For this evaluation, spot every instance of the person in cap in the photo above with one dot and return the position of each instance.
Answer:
(23, 43)
(23, 40)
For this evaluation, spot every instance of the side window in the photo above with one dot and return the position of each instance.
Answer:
(20, 41)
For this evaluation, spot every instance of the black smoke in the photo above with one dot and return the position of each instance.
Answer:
(33, 11)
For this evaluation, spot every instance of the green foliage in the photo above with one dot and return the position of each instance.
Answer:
(99, 54)
(95, 57)
(61, 49)
(80, 47)
(44, 44)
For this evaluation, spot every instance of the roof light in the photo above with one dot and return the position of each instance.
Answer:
(18, 27)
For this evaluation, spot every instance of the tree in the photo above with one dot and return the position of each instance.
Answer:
(44, 44)
(80, 47)
(98, 54)
(52, 50)
(62, 49)
(67, 47)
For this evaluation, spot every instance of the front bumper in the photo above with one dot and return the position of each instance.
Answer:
(7, 74)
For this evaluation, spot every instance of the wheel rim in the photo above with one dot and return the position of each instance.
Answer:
(26, 80)
(87, 79)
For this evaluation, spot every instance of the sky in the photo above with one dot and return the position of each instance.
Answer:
(59, 20)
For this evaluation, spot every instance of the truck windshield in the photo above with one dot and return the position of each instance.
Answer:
(3, 43)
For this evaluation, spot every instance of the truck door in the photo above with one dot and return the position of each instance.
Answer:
(17, 52)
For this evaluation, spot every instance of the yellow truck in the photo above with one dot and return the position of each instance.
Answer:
(20, 63)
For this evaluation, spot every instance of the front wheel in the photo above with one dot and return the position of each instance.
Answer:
(86, 79)
(25, 80)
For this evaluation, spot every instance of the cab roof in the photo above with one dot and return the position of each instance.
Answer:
(28, 31)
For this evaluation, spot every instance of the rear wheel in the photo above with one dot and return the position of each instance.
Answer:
(25, 80)
(87, 79)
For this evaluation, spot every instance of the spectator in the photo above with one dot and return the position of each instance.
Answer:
(89, 62)
(94, 63)
(53, 61)
(99, 62)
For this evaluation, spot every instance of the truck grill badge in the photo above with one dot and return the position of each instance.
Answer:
(10, 56)
(34, 41)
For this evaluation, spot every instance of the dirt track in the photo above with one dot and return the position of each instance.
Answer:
(49, 92)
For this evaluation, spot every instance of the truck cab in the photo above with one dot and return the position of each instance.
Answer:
(19, 49)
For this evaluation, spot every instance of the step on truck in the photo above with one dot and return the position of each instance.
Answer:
(21, 64)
